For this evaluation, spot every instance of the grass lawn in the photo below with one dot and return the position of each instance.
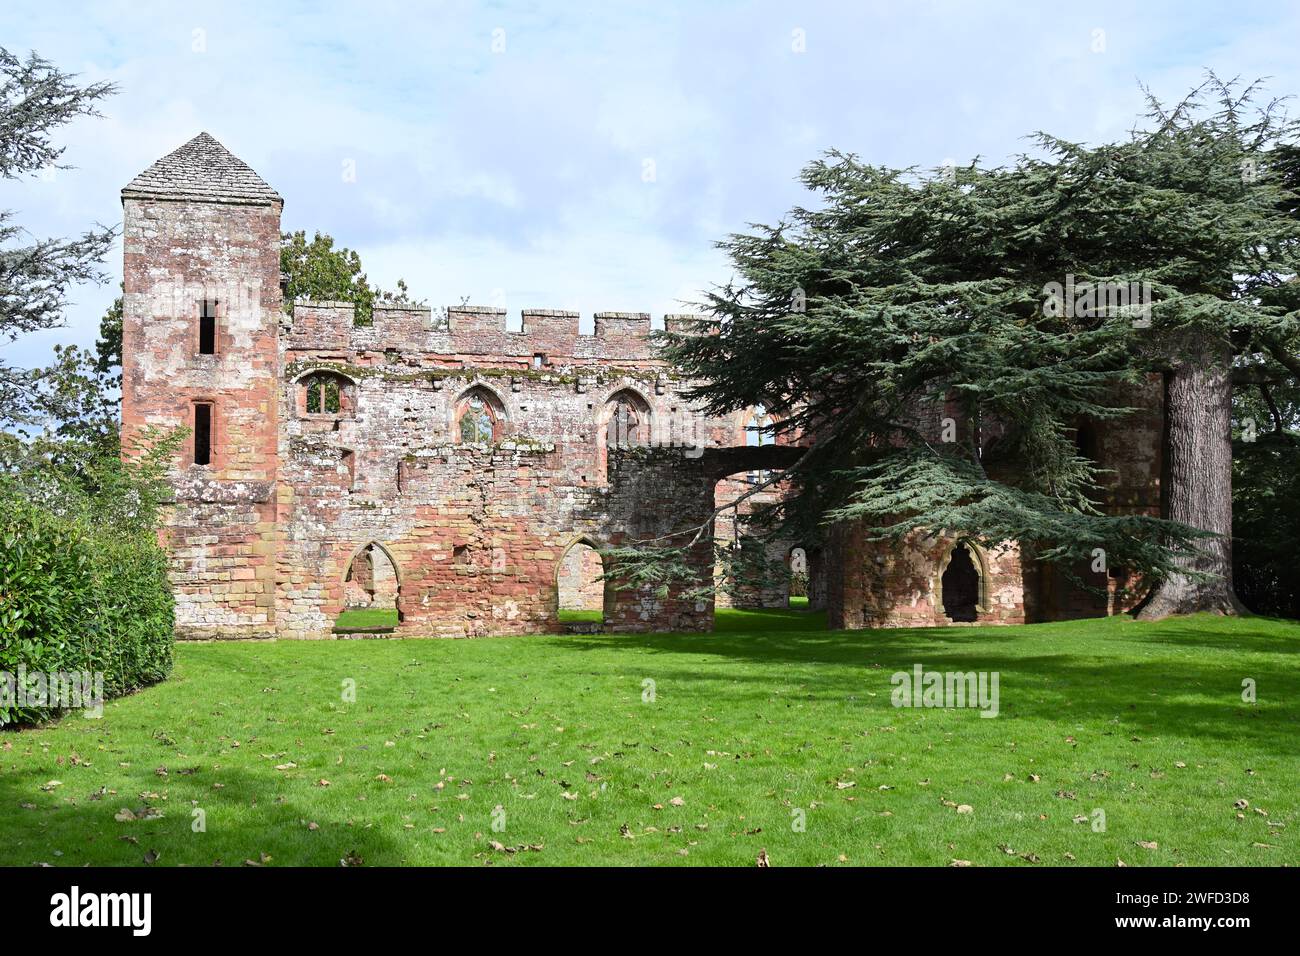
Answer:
(575, 616)
(367, 617)
(769, 715)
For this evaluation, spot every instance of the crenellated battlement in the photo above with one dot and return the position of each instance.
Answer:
(477, 331)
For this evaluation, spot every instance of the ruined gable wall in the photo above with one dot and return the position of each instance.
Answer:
(477, 532)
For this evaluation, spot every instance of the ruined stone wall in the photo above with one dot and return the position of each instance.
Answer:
(478, 531)
(877, 585)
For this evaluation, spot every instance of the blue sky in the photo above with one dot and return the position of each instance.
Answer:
(588, 155)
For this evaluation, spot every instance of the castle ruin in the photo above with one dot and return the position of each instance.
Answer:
(467, 475)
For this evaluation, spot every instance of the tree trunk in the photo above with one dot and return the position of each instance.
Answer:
(1198, 410)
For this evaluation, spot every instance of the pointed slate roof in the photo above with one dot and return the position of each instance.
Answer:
(202, 171)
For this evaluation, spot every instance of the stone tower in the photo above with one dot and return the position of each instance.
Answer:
(200, 328)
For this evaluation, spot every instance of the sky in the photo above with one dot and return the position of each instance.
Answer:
(588, 156)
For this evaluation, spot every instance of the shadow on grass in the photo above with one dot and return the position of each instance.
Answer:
(246, 816)
(1165, 678)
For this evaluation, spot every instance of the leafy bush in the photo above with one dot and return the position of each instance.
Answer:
(76, 597)
(83, 580)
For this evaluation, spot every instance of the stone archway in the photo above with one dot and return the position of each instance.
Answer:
(581, 595)
(960, 585)
(372, 585)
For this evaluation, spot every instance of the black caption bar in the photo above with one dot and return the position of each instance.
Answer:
(333, 906)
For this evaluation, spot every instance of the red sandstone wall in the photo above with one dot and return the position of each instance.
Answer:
(477, 533)
(222, 527)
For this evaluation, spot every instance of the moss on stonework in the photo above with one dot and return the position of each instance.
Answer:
(509, 446)
(606, 373)
(644, 453)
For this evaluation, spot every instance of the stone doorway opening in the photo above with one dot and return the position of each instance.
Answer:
(581, 587)
(372, 592)
(961, 586)
(798, 564)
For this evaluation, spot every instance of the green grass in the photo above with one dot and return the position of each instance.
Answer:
(575, 616)
(367, 617)
(768, 715)
(798, 603)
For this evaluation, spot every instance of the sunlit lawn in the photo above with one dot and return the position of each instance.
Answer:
(576, 616)
(362, 618)
(770, 734)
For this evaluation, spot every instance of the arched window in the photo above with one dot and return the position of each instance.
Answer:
(628, 424)
(623, 422)
(758, 432)
(477, 418)
(324, 393)
(758, 429)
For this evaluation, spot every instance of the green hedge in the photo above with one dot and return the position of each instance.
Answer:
(76, 595)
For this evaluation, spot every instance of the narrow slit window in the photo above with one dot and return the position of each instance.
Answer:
(202, 434)
(208, 328)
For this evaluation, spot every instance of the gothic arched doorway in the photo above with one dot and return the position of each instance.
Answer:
(961, 586)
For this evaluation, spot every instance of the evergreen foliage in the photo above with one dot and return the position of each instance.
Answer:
(904, 297)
